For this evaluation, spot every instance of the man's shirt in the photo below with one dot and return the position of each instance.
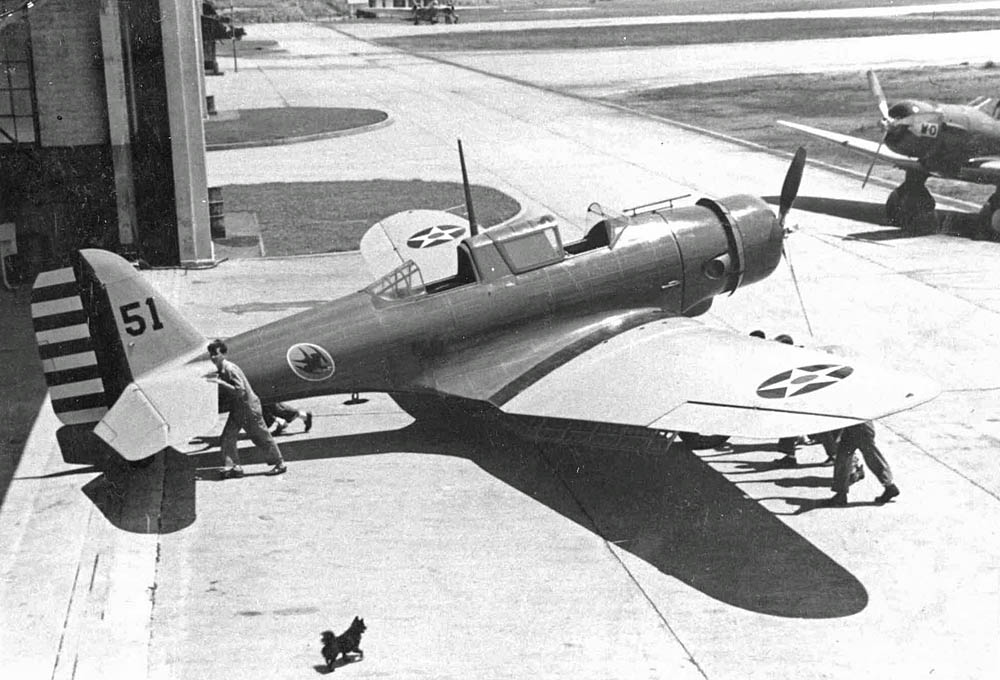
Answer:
(243, 395)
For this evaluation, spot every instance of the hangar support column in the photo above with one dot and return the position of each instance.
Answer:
(181, 30)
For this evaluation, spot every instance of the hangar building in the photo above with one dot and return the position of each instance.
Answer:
(102, 130)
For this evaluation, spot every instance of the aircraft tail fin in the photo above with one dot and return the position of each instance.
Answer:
(118, 358)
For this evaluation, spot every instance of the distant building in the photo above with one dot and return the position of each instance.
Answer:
(101, 129)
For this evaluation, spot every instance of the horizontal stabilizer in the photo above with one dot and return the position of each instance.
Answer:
(166, 407)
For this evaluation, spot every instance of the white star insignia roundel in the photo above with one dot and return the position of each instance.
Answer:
(802, 380)
(435, 236)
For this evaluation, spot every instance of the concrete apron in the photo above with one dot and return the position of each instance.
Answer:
(481, 555)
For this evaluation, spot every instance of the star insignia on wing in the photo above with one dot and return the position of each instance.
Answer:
(436, 236)
(802, 380)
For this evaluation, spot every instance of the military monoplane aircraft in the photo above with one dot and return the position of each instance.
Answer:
(928, 138)
(526, 324)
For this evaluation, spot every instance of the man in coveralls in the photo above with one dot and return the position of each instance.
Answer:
(244, 413)
(860, 437)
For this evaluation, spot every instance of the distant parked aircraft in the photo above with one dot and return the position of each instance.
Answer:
(928, 138)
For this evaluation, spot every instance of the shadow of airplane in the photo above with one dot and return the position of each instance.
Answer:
(657, 501)
(156, 499)
(957, 223)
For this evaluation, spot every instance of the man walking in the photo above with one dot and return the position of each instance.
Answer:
(244, 413)
(860, 437)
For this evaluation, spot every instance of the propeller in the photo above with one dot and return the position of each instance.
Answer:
(789, 190)
(790, 187)
(876, 88)
(883, 109)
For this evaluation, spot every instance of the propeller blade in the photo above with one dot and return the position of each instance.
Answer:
(789, 190)
(790, 187)
(874, 159)
(876, 88)
(473, 227)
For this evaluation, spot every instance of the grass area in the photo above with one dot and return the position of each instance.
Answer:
(518, 10)
(276, 124)
(269, 11)
(322, 217)
(266, 11)
(659, 35)
(841, 102)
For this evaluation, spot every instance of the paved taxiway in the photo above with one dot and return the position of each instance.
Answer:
(481, 556)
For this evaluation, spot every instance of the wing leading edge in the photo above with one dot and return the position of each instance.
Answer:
(865, 147)
(985, 170)
(677, 374)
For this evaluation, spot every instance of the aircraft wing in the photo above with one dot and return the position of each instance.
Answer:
(865, 147)
(984, 170)
(678, 374)
(427, 237)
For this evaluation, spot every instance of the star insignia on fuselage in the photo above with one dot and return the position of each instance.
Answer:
(436, 236)
(802, 380)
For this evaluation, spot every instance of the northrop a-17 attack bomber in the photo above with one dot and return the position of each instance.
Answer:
(526, 325)
(927, 138)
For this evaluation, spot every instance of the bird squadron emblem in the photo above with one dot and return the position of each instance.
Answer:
(310, 362)
(436, 236)
(802, 380)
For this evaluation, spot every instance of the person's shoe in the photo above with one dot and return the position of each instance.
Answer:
(280, 428)
(838, 500)
(857, 474)
(829, 461)
(232, 473)
(309, 420)
(278, 469)
(786, 462)
(890, 492)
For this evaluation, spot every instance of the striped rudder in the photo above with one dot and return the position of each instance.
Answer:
(124, 368)
(66, 349)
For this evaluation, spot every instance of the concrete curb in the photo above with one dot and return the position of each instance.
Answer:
(250, 144)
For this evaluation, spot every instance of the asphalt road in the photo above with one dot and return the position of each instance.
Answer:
(478, 555)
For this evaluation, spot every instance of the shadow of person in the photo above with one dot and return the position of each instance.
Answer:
(809, 482)
(804, 505)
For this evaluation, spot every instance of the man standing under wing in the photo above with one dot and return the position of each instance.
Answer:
(244, 413)
(860, 437)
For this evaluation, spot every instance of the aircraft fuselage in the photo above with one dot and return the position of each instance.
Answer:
(942, 136)
(667, 262)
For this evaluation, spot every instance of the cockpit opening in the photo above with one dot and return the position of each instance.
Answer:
(466, 273)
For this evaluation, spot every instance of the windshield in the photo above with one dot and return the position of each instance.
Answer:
(402, 282)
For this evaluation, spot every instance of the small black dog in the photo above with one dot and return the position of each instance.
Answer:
(335, 645)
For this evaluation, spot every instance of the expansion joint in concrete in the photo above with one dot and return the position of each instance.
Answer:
(941, 462)
(609, 546)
